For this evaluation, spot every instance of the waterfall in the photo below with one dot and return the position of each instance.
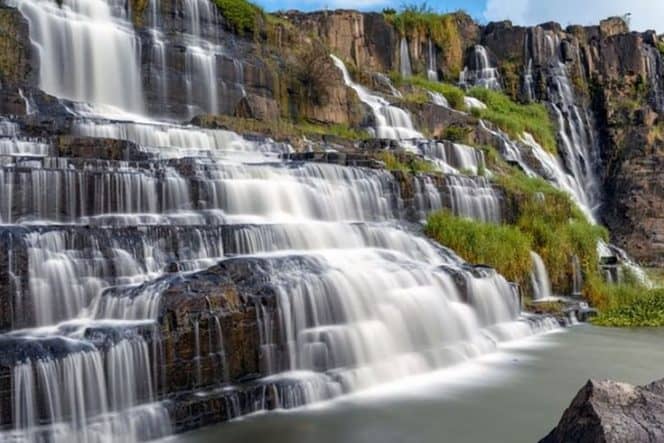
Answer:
(578, 146)
(479, 71)
(404, 56)
(528, 86)
(654, 69)
(474, 198)
(539, 278)
(390, 122)
(201, 69)
(112, 325)
(438, 99)
(432, 70)
(454, 158)
(554, 170)
(473, 103)
(577, 276)
(74, 398)
(86, 53)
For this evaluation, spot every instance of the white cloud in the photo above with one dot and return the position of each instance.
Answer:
(646, 14)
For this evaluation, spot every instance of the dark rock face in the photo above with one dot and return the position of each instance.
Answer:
(611, 412)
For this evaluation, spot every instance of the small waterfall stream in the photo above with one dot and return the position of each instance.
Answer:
(432, 62)
(540, 278)
(479, 71)
(390, 122)
(404, 57)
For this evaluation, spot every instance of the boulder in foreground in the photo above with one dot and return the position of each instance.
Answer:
(612, 412)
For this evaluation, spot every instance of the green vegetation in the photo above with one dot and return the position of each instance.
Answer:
(510, 73)
(418, 98)
(558, 228)
(242, 16)
(657, 132)
(503, 247)
(420, 20)
(406, 163)
(660, 46)
(515, 118)
(282, 129)
(453, 94)
(545, 220)
(337, 130)
(457, 133)
(632, 305)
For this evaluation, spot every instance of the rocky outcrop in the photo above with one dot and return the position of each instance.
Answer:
(15, 47)
(611, 412)
(366, 40)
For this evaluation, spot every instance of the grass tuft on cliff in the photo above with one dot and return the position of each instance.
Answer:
(543, 219)
(515, 118)
(453, 94)
(407, 163)
(503, 247)
(558, 228)
(241, 15)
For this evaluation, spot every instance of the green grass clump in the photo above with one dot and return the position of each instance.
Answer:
(660, 46)
(336, 130)
(457, 134)
(632, 306)
(515, 118)
(503, 247)
(417, 98)
(241, 15)
(406, 163)
(453, 94)
(558, 229)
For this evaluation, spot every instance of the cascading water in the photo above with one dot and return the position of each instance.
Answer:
(540, 278)
(432, 70)
(655, 66)
(404, 56)
(390, 122)
(454, 158)
(528, 86)
(578, 147)
(479, 71)
(94, 248)
(474, 198)
(86, 52)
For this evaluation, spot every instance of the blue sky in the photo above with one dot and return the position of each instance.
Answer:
(645, 14)
(473, 7)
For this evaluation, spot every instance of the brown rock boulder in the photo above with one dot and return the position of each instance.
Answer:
(612, 412)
